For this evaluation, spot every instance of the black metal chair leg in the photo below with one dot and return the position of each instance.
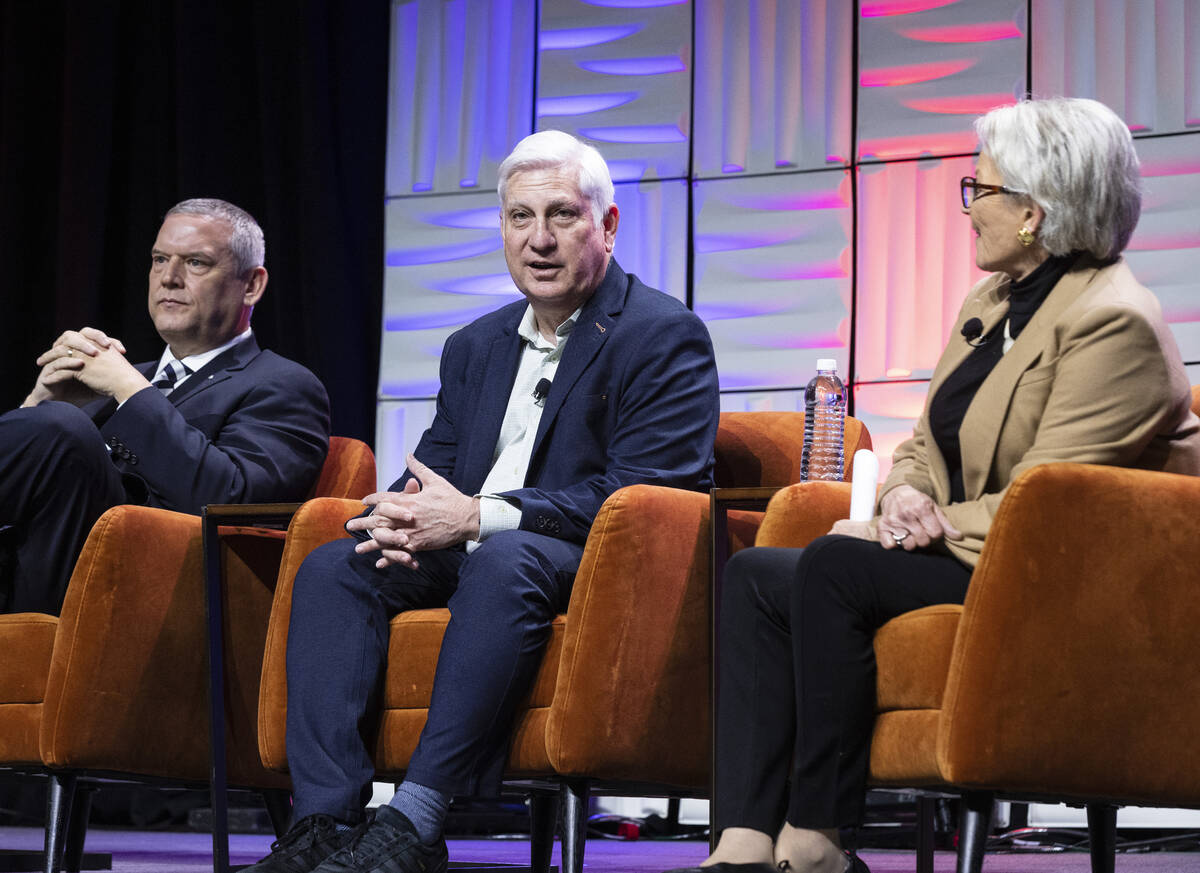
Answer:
(1018, 815)
(574, 794)
(218, 766)
(925, 806)
(279, 807)
(673, 805)
(81, 810)
(543, 822)
(1102, 831)
(975, 824)
(59, 793)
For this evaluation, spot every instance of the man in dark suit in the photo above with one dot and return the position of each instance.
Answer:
(547, 406)
(214, 420)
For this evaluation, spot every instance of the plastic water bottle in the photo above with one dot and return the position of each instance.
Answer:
(824, 425)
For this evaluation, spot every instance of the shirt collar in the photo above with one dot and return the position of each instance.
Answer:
(195, 362)
(529, 332)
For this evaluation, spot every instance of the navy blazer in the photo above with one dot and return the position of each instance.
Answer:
(249, 426)
(634, 400)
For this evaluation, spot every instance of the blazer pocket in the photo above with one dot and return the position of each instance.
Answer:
(1037, 374)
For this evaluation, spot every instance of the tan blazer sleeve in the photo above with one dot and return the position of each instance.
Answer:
(910, 464)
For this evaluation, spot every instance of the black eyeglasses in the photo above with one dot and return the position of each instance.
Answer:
(972, 190)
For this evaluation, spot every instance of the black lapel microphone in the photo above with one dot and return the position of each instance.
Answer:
(540, 391)
(972, 332)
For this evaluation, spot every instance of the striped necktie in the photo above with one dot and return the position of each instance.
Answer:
(170, 375)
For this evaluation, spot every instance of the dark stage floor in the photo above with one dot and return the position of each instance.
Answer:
(175, 852)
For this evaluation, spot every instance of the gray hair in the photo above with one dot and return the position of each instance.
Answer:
(1075, 158)
(245, 243)
(552, 149)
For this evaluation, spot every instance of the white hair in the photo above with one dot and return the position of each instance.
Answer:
(553, 149)
(245, 242)
(1075, 158)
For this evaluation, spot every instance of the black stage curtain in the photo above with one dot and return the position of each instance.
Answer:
(111, 112)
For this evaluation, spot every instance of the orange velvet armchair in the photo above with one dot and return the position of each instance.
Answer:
(118, 684)
(622, 698)
(1071, 673)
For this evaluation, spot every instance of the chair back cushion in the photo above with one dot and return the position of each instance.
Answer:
(349, 470)
(763, 448)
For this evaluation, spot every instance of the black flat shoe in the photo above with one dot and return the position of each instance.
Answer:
(855, 864)
(725, 867)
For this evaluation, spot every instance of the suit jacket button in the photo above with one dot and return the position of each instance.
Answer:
(113, 441)
(132, 458)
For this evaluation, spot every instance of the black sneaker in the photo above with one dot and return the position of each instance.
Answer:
(389, 844)
(306, 844)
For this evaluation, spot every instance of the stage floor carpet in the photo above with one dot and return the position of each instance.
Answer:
(187, 852)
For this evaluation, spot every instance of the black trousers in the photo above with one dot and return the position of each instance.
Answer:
(56, 479)
(796, 676)
(502, 599)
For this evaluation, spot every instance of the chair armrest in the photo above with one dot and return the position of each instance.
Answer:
(315, 523)
(127, 689)
(632, 698)
(1075, 670)
(800, 513)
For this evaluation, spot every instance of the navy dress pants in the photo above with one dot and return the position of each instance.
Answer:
(56, 479)
(502, 598)
(796, 675)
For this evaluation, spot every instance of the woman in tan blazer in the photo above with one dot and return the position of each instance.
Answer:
(1060, 355)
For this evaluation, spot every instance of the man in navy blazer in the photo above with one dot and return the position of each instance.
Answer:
(221, 422)
(546, 407)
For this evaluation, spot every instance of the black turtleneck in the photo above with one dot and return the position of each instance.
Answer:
(950, 404)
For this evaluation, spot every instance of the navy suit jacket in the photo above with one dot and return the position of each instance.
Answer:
(634, 400)
(249, 426)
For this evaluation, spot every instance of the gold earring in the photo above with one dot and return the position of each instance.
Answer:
(1025, 235)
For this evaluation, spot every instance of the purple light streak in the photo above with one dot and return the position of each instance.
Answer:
(486, 218)
(432, 320)
(583, 104)
(655, 66)
(708, 243)
(489, 285)
(633, 4)
(788, 202)
(635, 133)
(438, 254)
(582, 37)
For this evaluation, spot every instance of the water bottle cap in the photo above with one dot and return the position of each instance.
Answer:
(826, 364)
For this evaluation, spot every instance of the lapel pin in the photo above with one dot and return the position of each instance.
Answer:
(599, 327)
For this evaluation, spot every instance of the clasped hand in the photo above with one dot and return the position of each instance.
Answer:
(908, 519)
(429, 513)
(83, 365)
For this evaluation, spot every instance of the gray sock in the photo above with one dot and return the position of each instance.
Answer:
(425, 807)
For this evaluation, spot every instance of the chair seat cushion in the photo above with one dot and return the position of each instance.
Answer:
(912, 652)
(27, 640)
(416, 639)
